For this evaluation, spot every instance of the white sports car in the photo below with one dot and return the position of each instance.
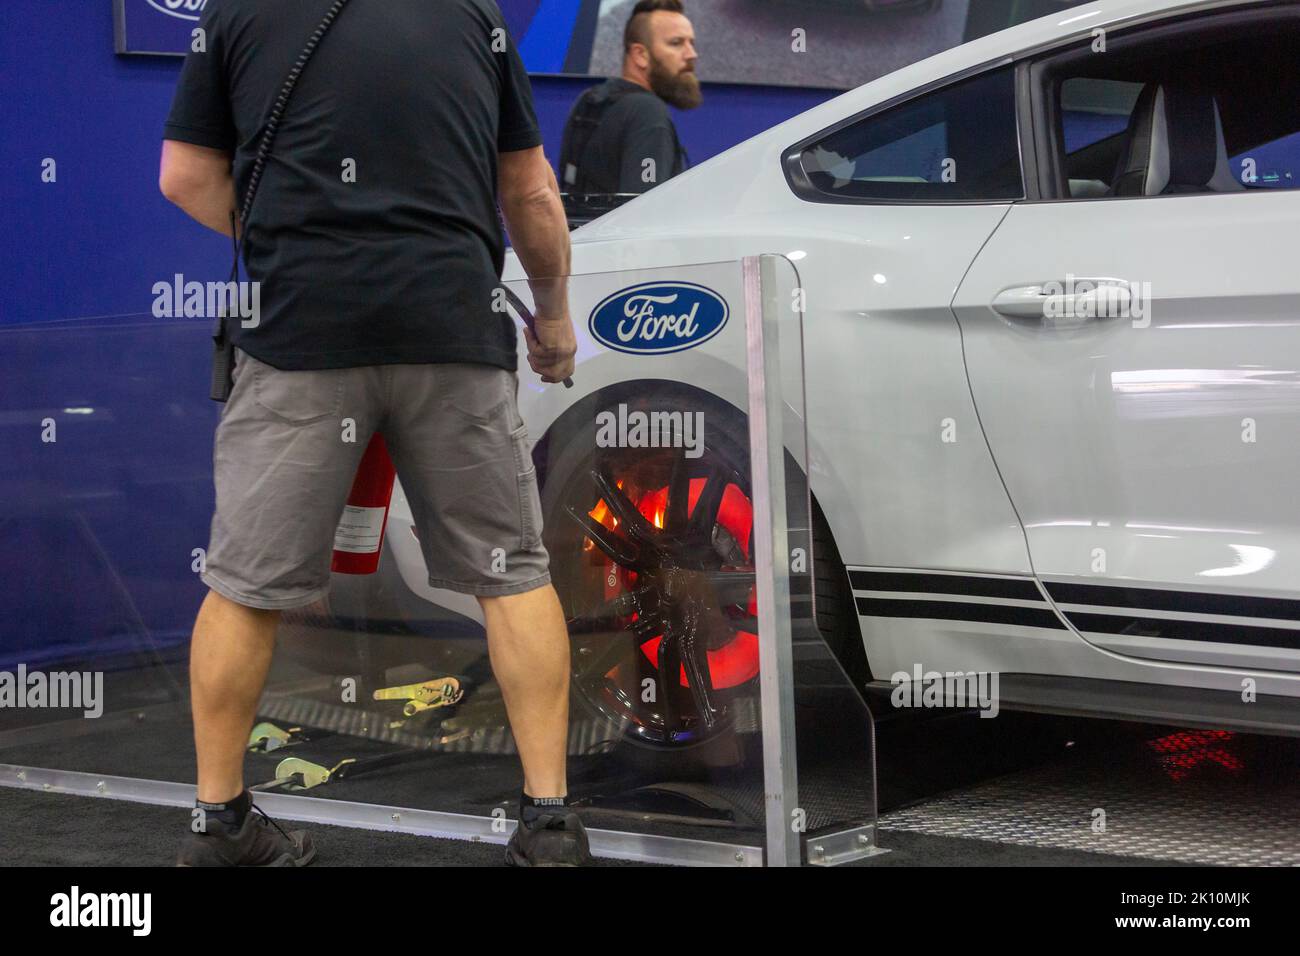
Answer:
(1052, 346)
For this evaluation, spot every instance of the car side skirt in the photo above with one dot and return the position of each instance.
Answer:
(1144, 703)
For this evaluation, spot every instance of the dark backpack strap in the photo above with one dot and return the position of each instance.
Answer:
(588, 113)
(683, 160)
(223, 345)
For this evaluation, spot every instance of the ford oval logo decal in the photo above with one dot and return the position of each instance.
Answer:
(184, 9)
(658, 317)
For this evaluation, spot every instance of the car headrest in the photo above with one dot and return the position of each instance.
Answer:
(1174, 145)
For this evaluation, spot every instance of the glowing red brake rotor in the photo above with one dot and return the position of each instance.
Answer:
(736, 661)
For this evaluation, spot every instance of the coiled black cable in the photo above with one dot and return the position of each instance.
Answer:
(239, 228)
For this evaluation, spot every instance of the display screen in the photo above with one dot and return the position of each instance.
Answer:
(819, 43)
(828, 44)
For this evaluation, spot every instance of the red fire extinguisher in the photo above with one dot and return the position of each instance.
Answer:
(360, 534)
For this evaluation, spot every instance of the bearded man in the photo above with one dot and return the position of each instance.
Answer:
(620, 137)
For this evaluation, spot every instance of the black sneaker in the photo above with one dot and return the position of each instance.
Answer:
(553, 839)
(253, 844)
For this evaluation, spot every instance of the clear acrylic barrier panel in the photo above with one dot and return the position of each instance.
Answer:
(381, 696)
(832, 809)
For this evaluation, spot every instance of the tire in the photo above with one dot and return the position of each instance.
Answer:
(612, 662)
(614, 657)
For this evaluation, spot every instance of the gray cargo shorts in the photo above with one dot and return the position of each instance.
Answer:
(283, 467)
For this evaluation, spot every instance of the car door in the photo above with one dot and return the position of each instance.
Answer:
(1133, 342)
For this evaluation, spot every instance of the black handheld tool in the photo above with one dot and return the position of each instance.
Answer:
(530, 320)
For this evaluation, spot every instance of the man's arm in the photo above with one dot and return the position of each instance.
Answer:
(534, 215)
(539, 232)
(198, 179)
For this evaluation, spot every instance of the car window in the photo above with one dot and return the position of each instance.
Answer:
(957, 144)
(1212, 105)
(1272, 165)
(1094, 115)
(1093, 110)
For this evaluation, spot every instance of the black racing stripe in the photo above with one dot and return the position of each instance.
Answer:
(1174, 630)
(960, 611)
(1188, 602)
(964, 584)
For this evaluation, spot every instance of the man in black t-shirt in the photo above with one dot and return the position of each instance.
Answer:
(376, 252)
(620, 137)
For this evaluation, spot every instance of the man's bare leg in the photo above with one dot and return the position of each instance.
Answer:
(529, 649)
(229, 660)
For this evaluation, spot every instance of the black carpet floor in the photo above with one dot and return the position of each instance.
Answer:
(56, 829)
(51, 829)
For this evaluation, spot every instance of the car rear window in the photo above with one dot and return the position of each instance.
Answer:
(957, 144)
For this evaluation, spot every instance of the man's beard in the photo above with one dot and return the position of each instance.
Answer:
(681, 90)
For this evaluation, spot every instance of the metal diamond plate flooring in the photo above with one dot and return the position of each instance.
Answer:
(1194, 796)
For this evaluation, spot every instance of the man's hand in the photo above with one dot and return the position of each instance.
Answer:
(552, 348)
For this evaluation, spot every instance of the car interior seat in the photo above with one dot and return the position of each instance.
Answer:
(1174, 144)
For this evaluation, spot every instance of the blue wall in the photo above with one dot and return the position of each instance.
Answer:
(97, 528)
(95, 242)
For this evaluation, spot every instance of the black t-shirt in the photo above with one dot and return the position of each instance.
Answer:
(634, 127)
(412, 100)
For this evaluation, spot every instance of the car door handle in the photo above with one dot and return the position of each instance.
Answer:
(1074, 298)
